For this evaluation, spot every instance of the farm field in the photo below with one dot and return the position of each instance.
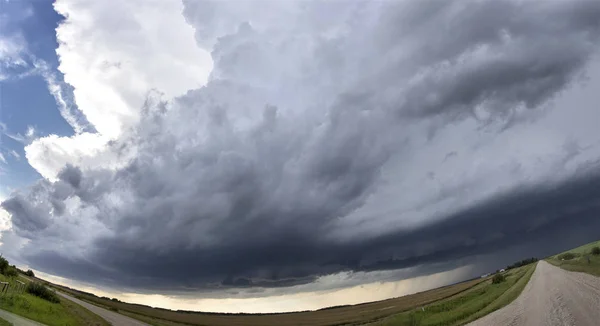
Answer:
(451, 305)
(356, 314)
(455, 304)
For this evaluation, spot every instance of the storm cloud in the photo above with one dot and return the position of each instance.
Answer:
(303, 155)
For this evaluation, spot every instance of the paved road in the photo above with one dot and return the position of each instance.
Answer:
(18, 320)
(110, 316)
(553, 296)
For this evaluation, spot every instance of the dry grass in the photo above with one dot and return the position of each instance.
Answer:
(352, 315)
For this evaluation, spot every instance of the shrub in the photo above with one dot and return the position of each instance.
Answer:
(30, 273)
(39, 290)
(596, 251)
(498, 278)
(11, 271)
(567, 256)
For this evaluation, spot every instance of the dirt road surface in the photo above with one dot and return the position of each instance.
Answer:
(112, 317)
(553, 296)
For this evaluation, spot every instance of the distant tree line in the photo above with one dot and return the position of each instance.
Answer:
(11, 271)
(113, 299)
(522, 263)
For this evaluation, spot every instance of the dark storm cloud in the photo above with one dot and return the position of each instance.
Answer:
(71, 175)
(32, 215)
(252, 180)
(31, 218)
(567, 213)
(519, 68)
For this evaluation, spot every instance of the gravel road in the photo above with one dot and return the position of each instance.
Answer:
(553, 296)
(112, 317)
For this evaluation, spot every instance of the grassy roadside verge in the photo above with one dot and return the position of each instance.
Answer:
(64, 313)
(468, 306)
(579, 265)
(4, 323)
(53, 314)
(576, 260)
(34, 301)
(507, 297)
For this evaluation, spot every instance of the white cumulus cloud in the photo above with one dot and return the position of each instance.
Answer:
(114, 54)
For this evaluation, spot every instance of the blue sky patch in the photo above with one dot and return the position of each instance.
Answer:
(25, 101)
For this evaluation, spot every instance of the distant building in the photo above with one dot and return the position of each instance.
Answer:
(502, 270)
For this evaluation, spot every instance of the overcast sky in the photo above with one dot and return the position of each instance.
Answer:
(291, 155)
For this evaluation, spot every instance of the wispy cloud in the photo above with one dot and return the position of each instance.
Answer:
(63, 96)
(15, 154)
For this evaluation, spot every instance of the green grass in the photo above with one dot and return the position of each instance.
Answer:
(580, 262)
(585, 248)
(4, 323)
(470, 305)
(65, 313)
(4, 278)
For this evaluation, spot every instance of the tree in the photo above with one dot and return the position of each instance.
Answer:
(596, 251)
(30, 273)
(3, 264)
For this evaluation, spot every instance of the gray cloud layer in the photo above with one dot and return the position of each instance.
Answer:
(256, 178)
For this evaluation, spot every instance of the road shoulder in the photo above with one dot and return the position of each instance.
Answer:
(110, 316)
(17, 320)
